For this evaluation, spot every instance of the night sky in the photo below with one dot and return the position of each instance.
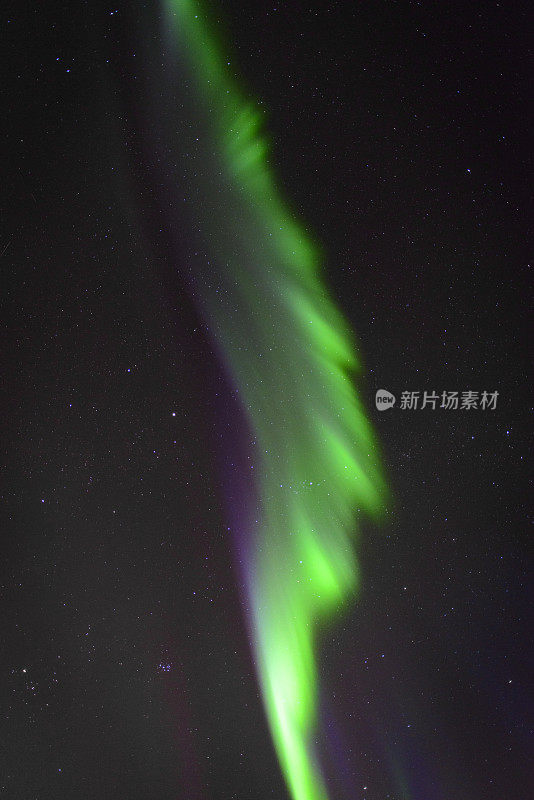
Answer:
(399, 136)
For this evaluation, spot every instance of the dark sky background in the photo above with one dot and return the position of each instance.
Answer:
(400, 135)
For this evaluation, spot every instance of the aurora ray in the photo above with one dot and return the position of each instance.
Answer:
(291, 357)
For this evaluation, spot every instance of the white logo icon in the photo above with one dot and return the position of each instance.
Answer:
(384, 400)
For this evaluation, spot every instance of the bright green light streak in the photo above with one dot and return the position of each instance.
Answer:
(290, 353)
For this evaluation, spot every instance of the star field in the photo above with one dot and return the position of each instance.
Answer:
(398, 134)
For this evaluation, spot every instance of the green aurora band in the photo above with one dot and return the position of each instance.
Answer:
(291, 357)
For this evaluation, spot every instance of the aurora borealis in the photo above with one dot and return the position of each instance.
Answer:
(316, 461)
(228, 573)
